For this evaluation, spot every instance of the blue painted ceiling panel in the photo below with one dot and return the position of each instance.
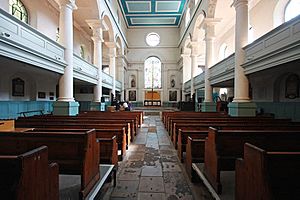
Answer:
(152, 12)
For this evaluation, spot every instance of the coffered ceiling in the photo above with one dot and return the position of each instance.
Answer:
(139, 13)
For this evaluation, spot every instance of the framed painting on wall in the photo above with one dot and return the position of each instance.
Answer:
(132, 95)
(172, 95)
(18, 86)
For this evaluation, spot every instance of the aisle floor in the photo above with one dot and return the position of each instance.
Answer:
(151, 168)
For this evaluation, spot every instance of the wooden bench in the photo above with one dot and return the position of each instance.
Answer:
(115, 116)
(75, 152)
(107, 141)
(28, 176)
(218, 124)
(102, 131)
(138, 114)
(108, 150)
(193, 155)
(264, 174)
(182, 115)
(185, 124)
(200, 132)
(37, 121)
(223, 147)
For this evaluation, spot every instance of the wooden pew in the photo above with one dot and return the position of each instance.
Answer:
(187, 123)
(193, 155)
(75, 152)
(108, 150)
(114, 116)
(223, 147)
(102, 131)
(138, 114)
(37, 121)
(264, 174)
(200, 132)
(107, 139)
(28, 176)
(182, 115)
(7, 125)
(215, 123)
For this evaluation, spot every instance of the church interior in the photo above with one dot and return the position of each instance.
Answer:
(149, 99)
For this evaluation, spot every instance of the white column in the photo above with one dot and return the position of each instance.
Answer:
(66, 40)
(241, 84)
(194, 64)
(112, 67)
(122, 74)
(209, 25)
(98, 39)
(185, 67)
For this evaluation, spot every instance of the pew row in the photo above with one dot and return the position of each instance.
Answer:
(28, 176)
(264, 174)
(223, 147)
(75, 152)
(45, 121)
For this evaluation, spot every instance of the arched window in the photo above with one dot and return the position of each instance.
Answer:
(152, 73)
(292, 10)
(57, 35)
(223, 51)
(250, 34)
(82, 53)
(17, 9)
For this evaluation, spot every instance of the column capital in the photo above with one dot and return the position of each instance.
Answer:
(68, 3)
(209, 27)
(96, 26)
(193, 45)
(237, 3)
(185, 55)
(111, 45)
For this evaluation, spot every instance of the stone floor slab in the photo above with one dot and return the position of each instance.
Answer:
(171, 167)
(126, 189)
(151, 196)
(175, 184)
(135, 156)
(129, 174)
(136, 148)
(152, 171)
(151, 184)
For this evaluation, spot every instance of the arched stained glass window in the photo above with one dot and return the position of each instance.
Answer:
(17, 9)
(153, 73)
(292, 10)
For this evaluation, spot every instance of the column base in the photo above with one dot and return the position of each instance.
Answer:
(208, 107)
(242, 109)
(64, 108)
(97, 106)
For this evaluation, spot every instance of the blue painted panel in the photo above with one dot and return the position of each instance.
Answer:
(11, 109)
(281, 109)
(165, 9)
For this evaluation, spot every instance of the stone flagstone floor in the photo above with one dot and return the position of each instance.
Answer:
(151, 168)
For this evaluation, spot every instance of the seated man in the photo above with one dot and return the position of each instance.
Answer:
(125, 105)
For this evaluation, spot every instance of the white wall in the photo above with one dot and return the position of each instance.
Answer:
(36, 80)
(167, 51)
(270, 83)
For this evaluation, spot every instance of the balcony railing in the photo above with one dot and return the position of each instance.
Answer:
(84, 70)
(223, 70)
(281, 45)
(21, 42)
